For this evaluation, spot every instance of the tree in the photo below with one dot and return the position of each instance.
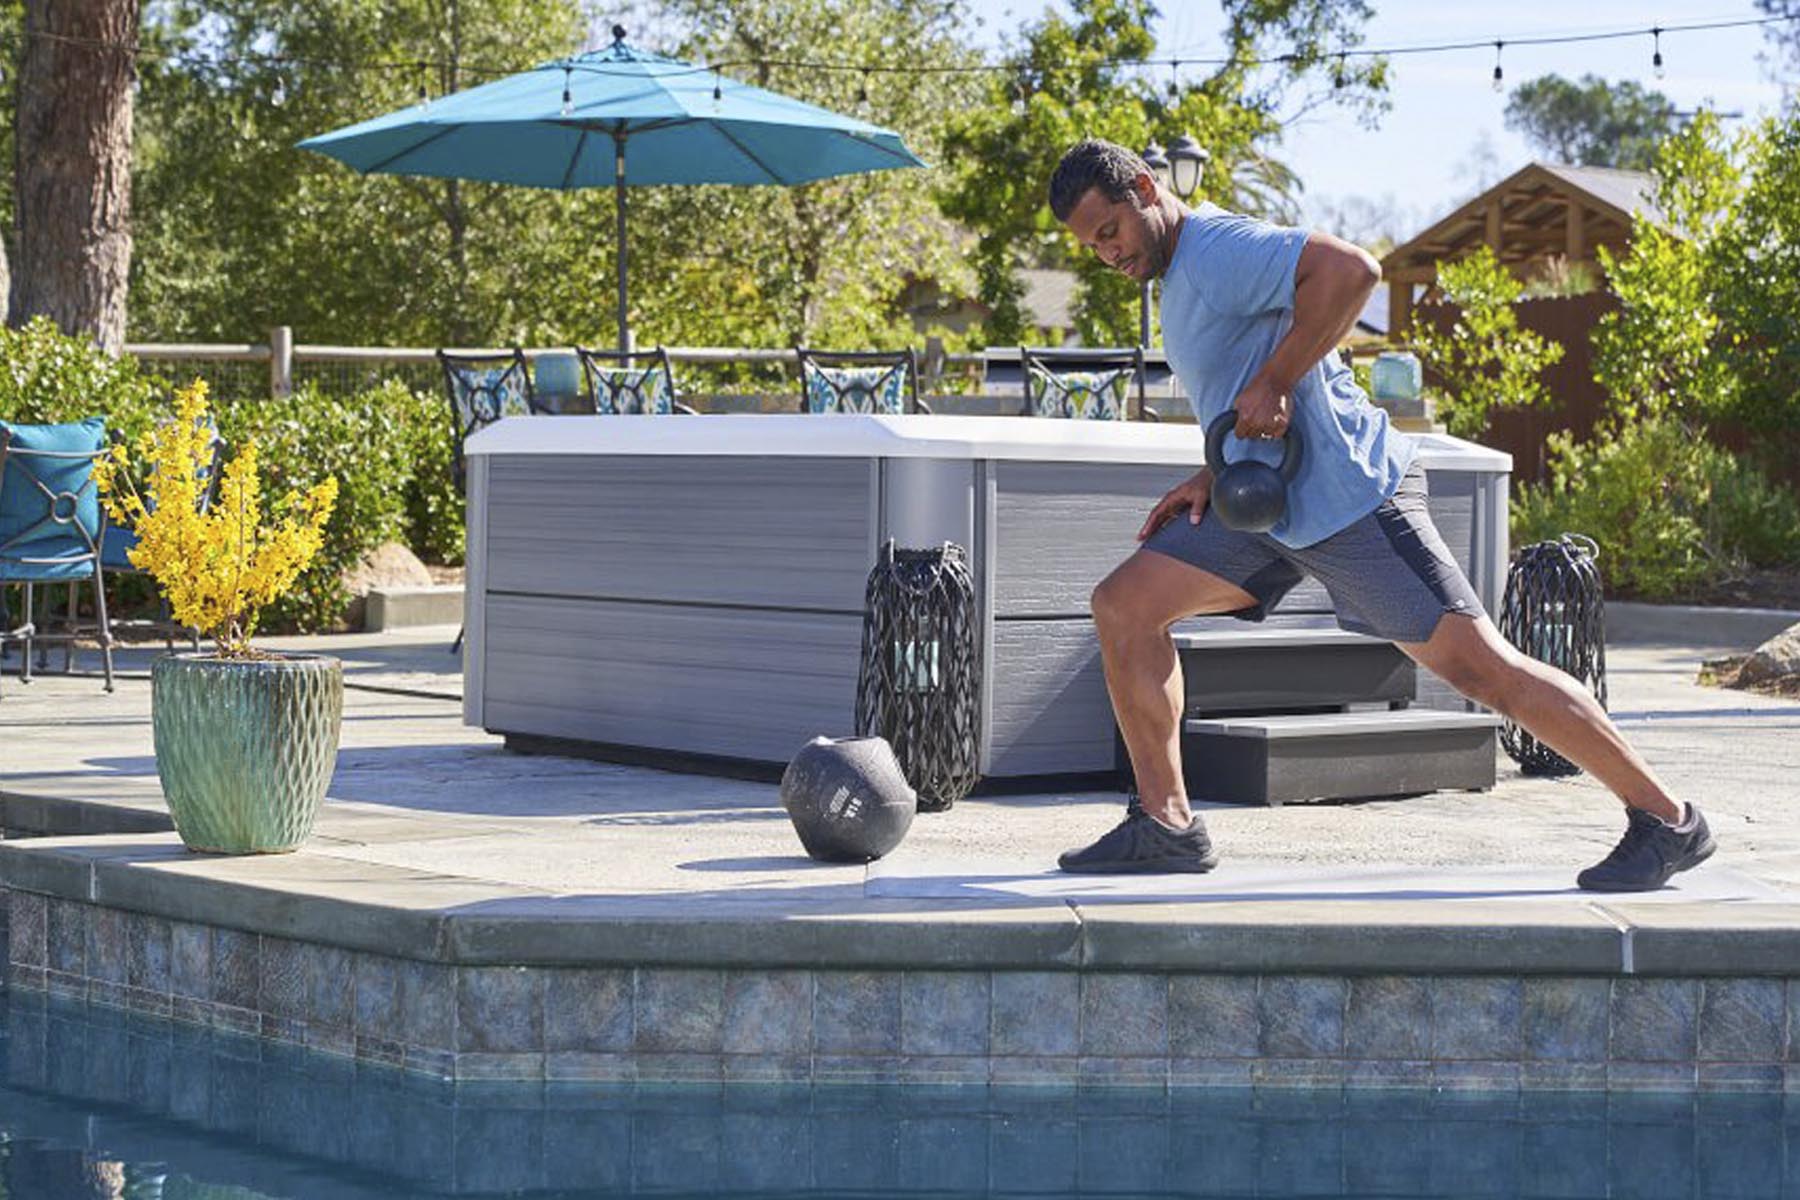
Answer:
(72, 141)
(1784, 35)
(1069, 80)
(241, 230)
(1593, 122)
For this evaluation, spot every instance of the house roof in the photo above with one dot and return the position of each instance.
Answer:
(1534, 205)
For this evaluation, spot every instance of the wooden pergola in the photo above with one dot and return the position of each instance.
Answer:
(1537, 213)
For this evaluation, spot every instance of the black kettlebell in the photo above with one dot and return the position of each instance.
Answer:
(1250, 496)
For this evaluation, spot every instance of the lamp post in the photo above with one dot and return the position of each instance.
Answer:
(1159, 166)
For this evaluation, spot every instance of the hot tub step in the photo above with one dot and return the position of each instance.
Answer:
(1277, 759)
(1251, 669)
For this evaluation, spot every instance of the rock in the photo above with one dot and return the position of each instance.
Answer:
(1770, 662)
(389, 565)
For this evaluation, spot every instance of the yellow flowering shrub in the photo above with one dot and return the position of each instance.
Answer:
(219, 565)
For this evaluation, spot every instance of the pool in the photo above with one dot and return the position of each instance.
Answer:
(99, 1103)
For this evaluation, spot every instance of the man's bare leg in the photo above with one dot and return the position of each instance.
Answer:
(1469, 654)
(1133, 608)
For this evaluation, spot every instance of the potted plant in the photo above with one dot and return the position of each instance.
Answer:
(246, 740)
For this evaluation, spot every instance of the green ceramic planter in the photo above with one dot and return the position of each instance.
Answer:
(245, 748)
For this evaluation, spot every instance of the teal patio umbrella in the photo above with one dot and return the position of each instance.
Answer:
(574, 122)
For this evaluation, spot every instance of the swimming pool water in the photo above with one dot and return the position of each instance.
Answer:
(98, 1104)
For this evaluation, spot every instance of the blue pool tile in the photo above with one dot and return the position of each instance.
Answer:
(1470, 1159)
(765, 1154)
(1034, 1071)
(679, 1010)
(65, 936)
(1212, 1016)
(856, 1012)
(882, 1069)
(1475, 1017)
(1123, 1154)
(1287, 1074)
(499, 1010)
(588, 1010)
(1036, 1013)
(1210, 1072)
(328, 973)
(1740, 1079)
(283, 985)
(1464, 1075)
(147, 952)
(1566, 1019)
(1384, 1073)
(1301, 1016)
(375, 997)
(1741, 1020)
(942, 1155)
(106, 958)
(768, 1012)
(767, 1068)
(25, 929)
(235, 968)
(1300, 1158)
(1387, 1017)
(924, 1070)
(944, 1013)
(1557, 1075)
(427, 1005)
(1040, 1156)
(190, 960)
(1103, 1071)
(585, 1066)
(1654, 1020)
(1557, 1158)
(498, 1152)
(1646, 1163)
(1651, 1077)
(499, 1065)
(1124, 1016)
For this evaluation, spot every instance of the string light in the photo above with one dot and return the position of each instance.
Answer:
(1499, 73)
(484, 71)
(1338, 79)
(718, 93)
(1656, 63)
(568, 100)
(424, 96)
(862, 88)
(1174, 78)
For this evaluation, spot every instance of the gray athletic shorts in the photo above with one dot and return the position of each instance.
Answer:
(1388, 573)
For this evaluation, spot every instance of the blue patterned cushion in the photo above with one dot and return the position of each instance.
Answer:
(1081, 395)
(27, 483)
(632, 390)
(485, 396)
(855, 389)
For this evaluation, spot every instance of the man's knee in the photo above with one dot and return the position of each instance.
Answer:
(1110, 604)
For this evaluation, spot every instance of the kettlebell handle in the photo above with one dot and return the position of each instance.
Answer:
(1225, 422)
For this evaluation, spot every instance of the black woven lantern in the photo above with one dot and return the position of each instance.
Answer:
(920, 683)
(1554, 611)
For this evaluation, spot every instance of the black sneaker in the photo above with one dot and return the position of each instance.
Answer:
(1648, 854)
(1142, 845)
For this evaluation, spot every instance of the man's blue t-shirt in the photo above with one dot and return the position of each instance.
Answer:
(1227, 301)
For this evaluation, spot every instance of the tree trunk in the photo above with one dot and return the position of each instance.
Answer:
(73, 170)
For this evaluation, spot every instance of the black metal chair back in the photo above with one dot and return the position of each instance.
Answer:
(616, 383)
(482, 389)
(1085, 384)
(861, 381)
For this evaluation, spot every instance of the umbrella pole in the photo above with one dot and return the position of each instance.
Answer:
(619, 192)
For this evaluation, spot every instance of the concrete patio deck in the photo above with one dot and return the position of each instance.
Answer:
(438, 846)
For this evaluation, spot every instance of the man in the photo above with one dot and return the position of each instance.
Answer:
(1251, 316)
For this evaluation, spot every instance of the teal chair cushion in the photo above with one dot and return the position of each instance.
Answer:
(1081, 395)
(855, 389)
(49, 507)
(625, 391)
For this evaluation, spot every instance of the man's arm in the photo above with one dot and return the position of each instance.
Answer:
(1332, 282)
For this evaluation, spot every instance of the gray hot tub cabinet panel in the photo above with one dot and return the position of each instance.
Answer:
(729, 682)
(788, 533)
(1049, 710)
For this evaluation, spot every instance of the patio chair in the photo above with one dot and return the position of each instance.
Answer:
(484, 388)
(118, 541)
(642, 382)
(859, 381)
(50, 529)
(1085, 384)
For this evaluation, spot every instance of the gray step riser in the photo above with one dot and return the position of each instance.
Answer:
(1242, 770)
(1283, 678)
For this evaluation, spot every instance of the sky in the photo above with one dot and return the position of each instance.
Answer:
(1444, 139)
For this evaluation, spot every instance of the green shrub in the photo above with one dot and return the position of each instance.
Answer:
(47, 376)
(388, 448)
(1670, 511)
(434, 510)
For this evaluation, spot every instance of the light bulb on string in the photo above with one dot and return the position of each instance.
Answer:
(1656, 62)
(1499, 73)
(424, 95)
(568, 100)
(862, 88)
(1174, 79)
(718, 92)
(1338, 78)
